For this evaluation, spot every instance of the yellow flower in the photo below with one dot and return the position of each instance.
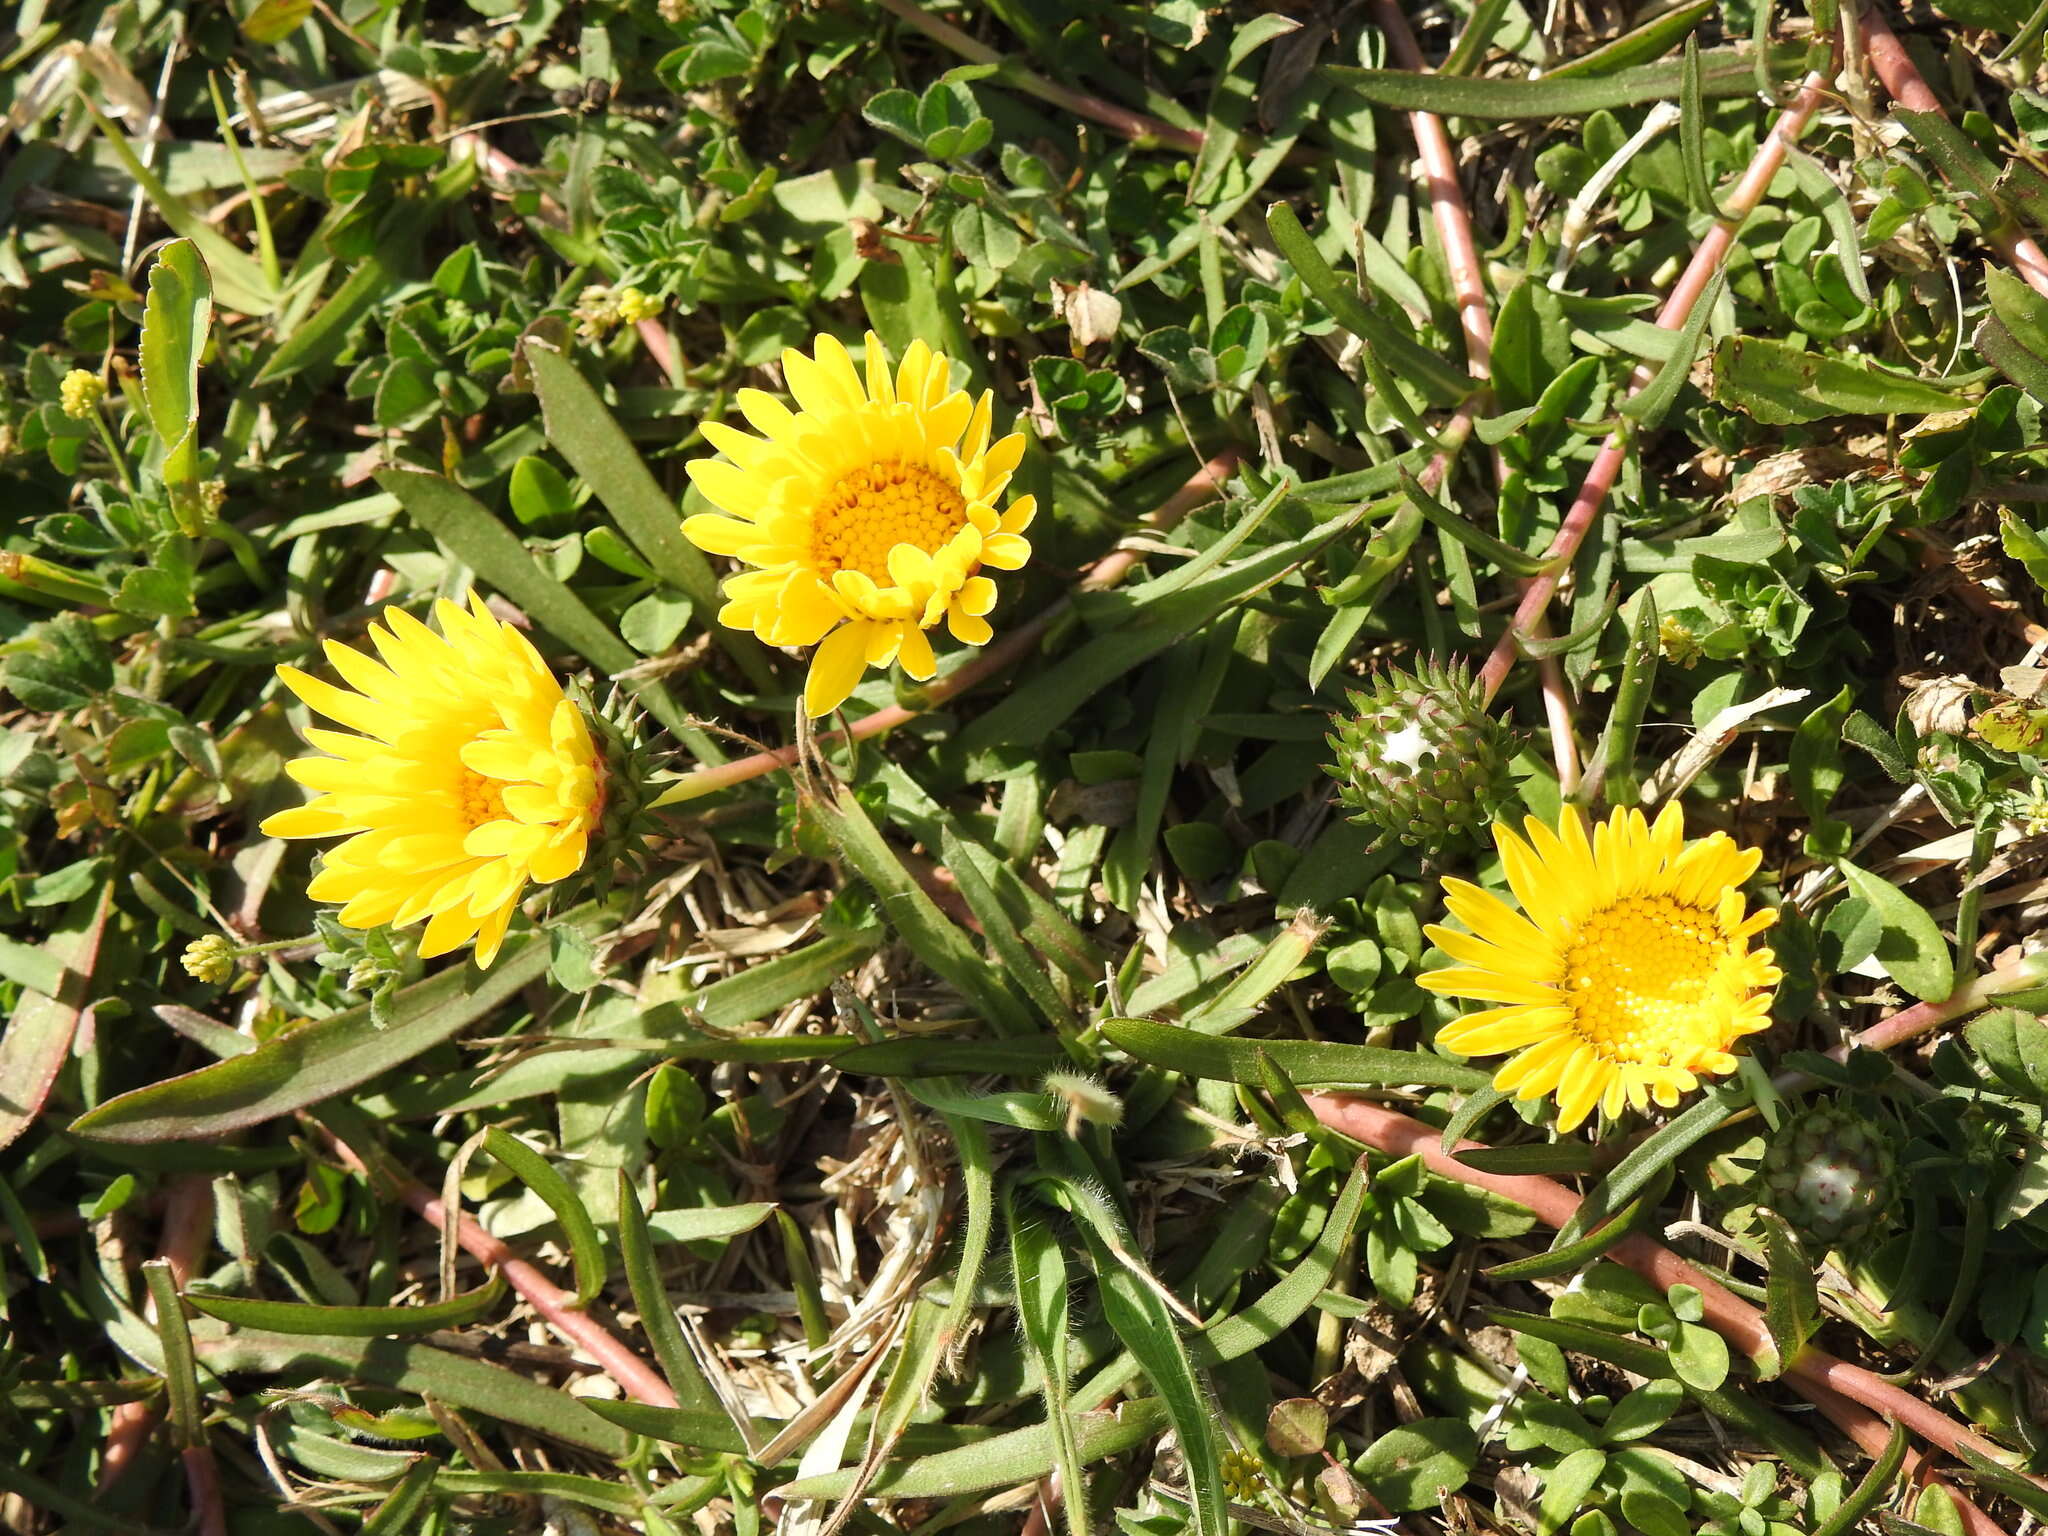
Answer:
(1626, 974)
(79, 391)
(867, 513)
(472, 776)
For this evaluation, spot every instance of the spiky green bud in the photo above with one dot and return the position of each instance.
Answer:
(1830, 1172)
(619, 844)
(1420, 757)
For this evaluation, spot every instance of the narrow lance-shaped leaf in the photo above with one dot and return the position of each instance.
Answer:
(315, 1062)
(175, 320)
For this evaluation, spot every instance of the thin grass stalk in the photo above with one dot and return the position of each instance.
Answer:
(1692, 283)
(1467, 272)
(1895, 68)
(1857, 1401)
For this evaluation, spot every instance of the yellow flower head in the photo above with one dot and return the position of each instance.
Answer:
(79, 392)
(1626, 974)
(867, 513)
(472, 776)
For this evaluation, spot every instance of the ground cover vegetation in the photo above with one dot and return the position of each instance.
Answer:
(1041, 767)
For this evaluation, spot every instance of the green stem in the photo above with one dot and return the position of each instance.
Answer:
(1976, 1229)
(99, 421)
(1972, 899)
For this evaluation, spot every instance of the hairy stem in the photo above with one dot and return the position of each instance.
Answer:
(1439, 159)
(555, 1305)
(1706, 260)
(1857, 1401)
(1894, 67)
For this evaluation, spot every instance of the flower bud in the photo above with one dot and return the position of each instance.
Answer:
(1420, 757)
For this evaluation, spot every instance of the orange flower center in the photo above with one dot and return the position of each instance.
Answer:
(483, 799)
(1637, 976)
(873, 509)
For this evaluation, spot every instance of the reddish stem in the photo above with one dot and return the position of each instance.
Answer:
(1706, 260)
(1468, 282)
(555, 1305)
(202, 1483)
(1856, 1400)
(1922, 1018)
(1135, 126)
(1203, 487)
(1894, 67)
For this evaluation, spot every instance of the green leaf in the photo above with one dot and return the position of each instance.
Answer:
(1038, 1273)
(937, 941)
(39, 1032)
(272, 21)
(1000, 1461)
(1407, 357)
(1911, 950)
(456, 1380)
(657, 1313)
(236, 276)
(1162, 613)
(1792, 1299)
(1308, 1063)
(1278, 1309)
(175, 321)
(1723, 72)
(1132, 1303)
(2014, 1045)
(404, 1508)
(352, 1322)
(1779, 384)
(701, 1429)
(1652, 403)
(586, 1249)
(1960, 162)
(1412, 1467)
(1650, 1158)
(2014, 337)
(585, 433)
(495, 553)
(317, 1060)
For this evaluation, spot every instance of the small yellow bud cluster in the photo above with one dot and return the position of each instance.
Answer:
(2032, 810)
(599, 308)
(1244, 1476)
(80, 392)
(1678, 643)
(213, 495)
(211, 959)
(635, 306)
(676, 12)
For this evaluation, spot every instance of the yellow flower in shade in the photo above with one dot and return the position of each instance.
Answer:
(867, 513)
(472, 776)
(1626, 975)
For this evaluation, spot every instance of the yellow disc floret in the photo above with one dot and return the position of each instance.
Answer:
(866, 515)
(472, 776)
(1626, 975)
